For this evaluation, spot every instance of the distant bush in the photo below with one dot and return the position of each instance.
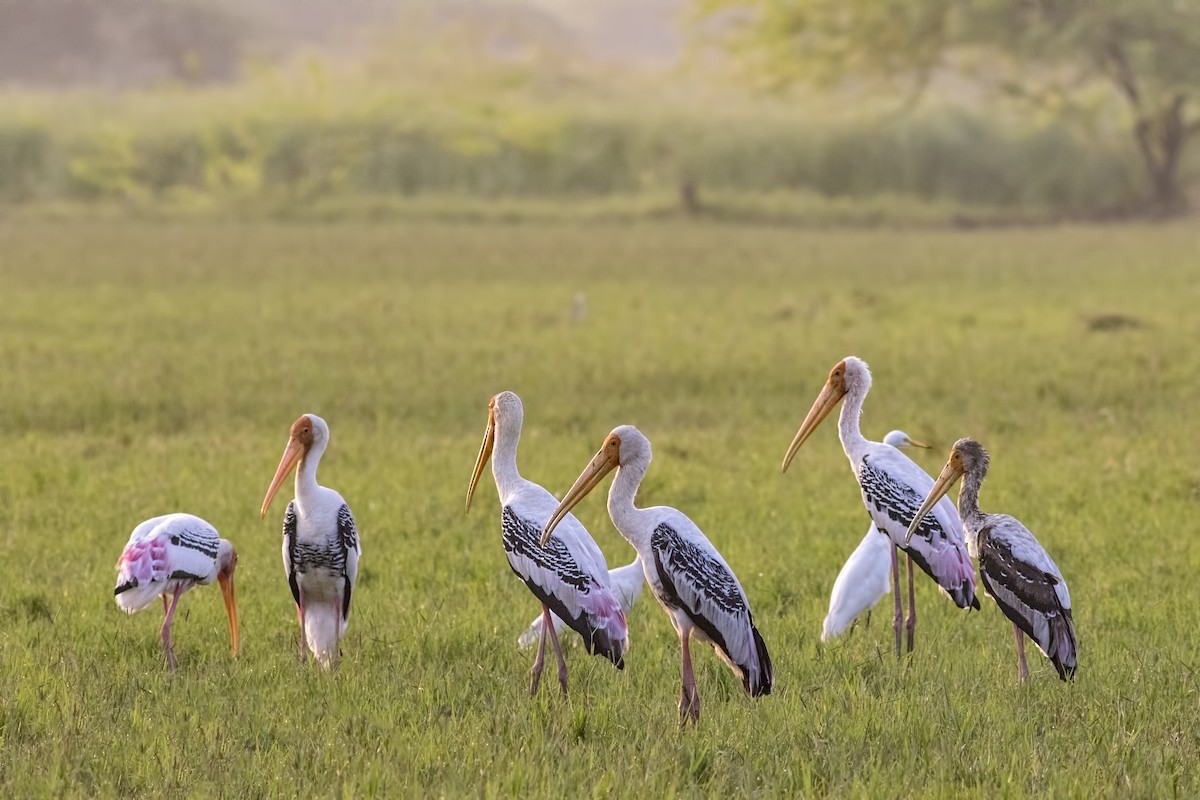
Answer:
(305, 151)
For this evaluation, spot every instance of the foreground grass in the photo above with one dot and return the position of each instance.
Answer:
(156, 367)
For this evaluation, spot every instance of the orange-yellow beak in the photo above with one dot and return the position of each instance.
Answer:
(485, 452)
(226, 582)
(914, 443)
(950, 473)
(291, 456)
(826, 401)
(604, 462)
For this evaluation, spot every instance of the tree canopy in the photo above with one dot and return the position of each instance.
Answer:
(1146, 51)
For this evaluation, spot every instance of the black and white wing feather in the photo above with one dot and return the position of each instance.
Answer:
(694, 579)
(893, 488)
(351, 550)
(554, 574)
(1025, 582)
(289, 549)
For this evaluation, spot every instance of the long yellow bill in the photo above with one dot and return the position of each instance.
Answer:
(829, 397)
(485, 452)
(226, 582)
(950, 473)
(291, 456)
(605, 461)
(914, 443)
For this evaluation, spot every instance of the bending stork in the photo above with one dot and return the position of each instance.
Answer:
(1017, 571)
(892, 486)
(571, 578)
(687, 575)
(863, 580)
(320, 544)
(169, 555)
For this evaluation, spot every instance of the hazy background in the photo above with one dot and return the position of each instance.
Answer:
(617, 108)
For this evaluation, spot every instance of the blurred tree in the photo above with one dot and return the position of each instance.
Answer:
(1148, 52)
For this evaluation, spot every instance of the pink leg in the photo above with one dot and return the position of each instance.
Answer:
(1022, 667)
(168, 644)
(898, 619)
(548, 626)
(540, 661)
(910, 622)
(689, 701)
(164, 599)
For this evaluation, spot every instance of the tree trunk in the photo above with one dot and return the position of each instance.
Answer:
(1161, 137)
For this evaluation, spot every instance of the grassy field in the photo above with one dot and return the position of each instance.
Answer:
(152, 367)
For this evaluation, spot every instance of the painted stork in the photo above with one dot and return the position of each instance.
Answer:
(687, 575)
(1016, 570)
(864, 578)
(892, 486)
(626, 582)
(168, 555)
(321, 547)
(571, 578)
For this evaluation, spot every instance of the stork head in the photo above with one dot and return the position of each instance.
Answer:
(967, 457)
(308, 433)
(848, 375)
(900, 440)
(505, 412)
(626, 445)
(227, 560)
(970, 457)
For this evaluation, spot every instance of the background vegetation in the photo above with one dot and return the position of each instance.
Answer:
(490, 114)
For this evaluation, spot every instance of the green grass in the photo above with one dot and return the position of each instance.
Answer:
(156, 366)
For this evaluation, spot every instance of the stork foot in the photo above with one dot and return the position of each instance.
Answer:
(689, 707)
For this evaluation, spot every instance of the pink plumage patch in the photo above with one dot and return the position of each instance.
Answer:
(142, 561)
(604, 612)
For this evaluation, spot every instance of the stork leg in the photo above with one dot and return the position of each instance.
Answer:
(164, 599)
(910, 622)
(689, 700)
(897, 620)
(168, 643)
(548, 626)
(303, 640)
(1022, 667)
(540, 661)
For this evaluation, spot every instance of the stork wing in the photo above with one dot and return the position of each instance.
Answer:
(893, 488)
(697, 580)
(348, 538)
(289, 549)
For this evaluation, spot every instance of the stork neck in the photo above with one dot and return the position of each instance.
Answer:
(968, 499)
(849, 431)
(504, 457)
(306, 475)
(621, 495)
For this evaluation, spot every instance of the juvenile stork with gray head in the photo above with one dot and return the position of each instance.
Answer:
(1017, 571)
(687, 575)
(892, 486)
